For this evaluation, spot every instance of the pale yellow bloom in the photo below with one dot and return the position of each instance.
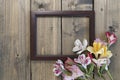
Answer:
(100, 48)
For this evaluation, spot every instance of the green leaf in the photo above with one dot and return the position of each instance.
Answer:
(102, 68)
(81, 68)
(99, 74)
(90, 68)
(79, 78)
(68, 72)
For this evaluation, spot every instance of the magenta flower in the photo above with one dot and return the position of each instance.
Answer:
(83, 60)
(58, 68)
(111, 38)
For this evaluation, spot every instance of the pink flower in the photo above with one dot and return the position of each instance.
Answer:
(111, 38)
(83, 60)
(100, 41)
(76, 72)
(58, 68)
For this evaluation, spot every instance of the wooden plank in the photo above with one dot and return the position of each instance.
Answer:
(113, 18)
(100, 20)
(77, 5)
(48, 40)
(14, 37)
(73, 28)
(45, 5)
(43, 70)
(2, 30)
(48, 36)
(108, 14)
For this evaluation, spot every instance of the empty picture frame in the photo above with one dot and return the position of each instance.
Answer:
(43, 14)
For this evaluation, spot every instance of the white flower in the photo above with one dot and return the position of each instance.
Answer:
(80, 47)
(101, 62)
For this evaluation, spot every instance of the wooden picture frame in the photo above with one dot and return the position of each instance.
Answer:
(33, 30)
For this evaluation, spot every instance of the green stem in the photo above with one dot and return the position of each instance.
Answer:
(86, 78)
(109, 75)
(103, 77)
(92, 78)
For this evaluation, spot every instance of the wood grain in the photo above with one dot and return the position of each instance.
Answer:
(45, 5)
(2, 32)
(49, 40)
(113, 18)
(43, 70)
(100, 18)
(48, 36)
(14, 39)
(15, 44)
(77, 5)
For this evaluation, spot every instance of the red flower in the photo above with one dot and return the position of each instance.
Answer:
(90, 55)
(111, 38)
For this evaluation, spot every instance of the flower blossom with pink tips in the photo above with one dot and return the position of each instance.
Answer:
(101, 62)
(83, 60)
(111, 38)
(58, 68)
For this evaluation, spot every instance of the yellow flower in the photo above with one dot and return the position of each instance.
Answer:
(99, 47)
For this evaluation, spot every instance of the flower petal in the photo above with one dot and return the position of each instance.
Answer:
(76, 48)
(80, 51)
(90, 49)
(81, 57)
(77, 42)
(57, 72)
(85, 43)
(88, 61)
(109, 54)
(101, 51)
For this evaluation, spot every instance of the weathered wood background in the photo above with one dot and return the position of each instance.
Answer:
(15, 61)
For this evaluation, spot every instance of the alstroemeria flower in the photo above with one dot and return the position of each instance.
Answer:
(101, 62)
(80, 47)
(83, 60)
(100, 47)
(58, 68)
(76, 72)
(111, 38)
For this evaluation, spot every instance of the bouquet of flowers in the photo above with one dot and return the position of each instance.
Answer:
(90, 59)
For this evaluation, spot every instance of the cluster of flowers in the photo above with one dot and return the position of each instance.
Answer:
(89, 58)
